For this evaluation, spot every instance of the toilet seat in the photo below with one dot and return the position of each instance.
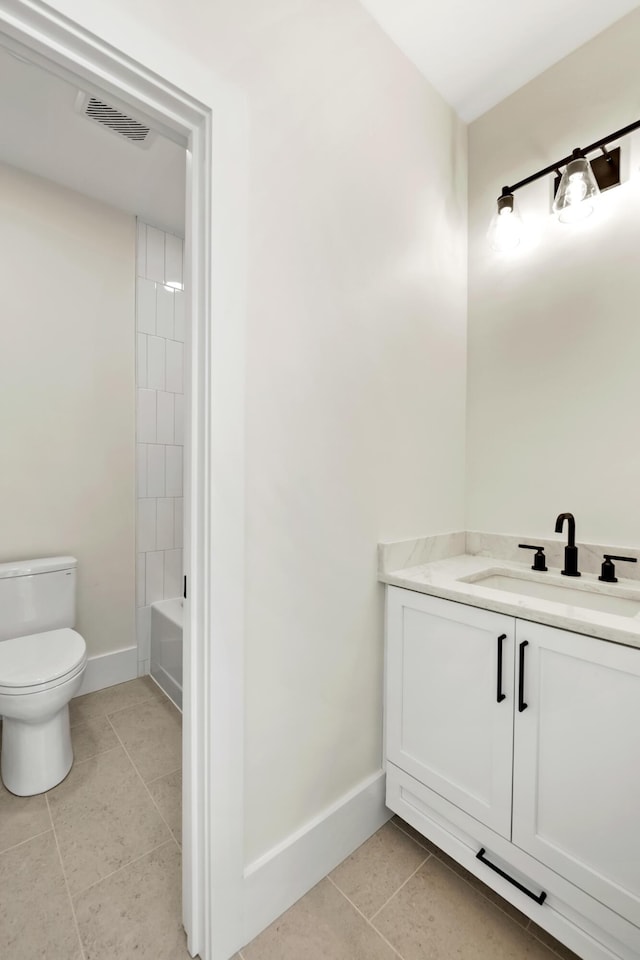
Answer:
(40, 661)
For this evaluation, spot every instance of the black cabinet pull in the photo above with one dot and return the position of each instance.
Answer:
(539, 898)
(521, 704)
(501, 696)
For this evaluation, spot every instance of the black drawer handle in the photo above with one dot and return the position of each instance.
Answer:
(539, 898)
(521, 704)
(501, 696)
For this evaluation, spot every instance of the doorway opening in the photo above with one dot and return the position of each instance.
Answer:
(213, 494)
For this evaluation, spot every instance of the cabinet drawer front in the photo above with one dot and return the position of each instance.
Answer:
(577, 763)
(445, 723)
(592, 930)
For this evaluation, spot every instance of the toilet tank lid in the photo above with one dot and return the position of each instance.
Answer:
(28, 568)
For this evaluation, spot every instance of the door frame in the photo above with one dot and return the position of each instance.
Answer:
(215, 139)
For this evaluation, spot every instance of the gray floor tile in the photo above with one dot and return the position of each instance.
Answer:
(376, 870)
(152, 735)
(36, 920)
(92, 737)
(106, 701)
(552, 943)
(483, 889)
(408, 829)
(167, 793)
(21, 818)
(470, 878)
(103, 818)
(439, 916)
(136, 912)
(320, 926)
(124, 869)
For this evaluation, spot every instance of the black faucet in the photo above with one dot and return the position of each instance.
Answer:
(570, 551)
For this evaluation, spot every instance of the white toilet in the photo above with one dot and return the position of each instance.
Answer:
(42, 662)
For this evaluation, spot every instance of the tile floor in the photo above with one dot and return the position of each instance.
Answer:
(91, 870)
(398, 896)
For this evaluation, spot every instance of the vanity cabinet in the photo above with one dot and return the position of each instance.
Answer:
(448, 725)
(521, 741)
(576, 772)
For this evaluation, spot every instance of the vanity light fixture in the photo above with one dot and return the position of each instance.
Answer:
(576, 188)
(505, 230)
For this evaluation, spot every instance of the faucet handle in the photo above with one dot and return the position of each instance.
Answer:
(539, 558)
(608, 574)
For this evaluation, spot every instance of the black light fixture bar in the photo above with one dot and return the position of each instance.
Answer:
(553, 167)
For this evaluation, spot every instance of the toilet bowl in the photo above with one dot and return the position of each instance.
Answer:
(39, 674)
(42, 663)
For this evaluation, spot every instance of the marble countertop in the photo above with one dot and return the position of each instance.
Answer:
(445, 578)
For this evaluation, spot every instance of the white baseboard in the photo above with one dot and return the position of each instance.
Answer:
(167, 684)
(144, 667)
(275, 881)
(109, 668)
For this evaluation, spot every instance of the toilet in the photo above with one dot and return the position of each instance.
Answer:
(42, 663)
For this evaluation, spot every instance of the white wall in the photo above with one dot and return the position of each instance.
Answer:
(160, 318)
(554, 338)
(356, 358)
(67, 269)
(355, 388)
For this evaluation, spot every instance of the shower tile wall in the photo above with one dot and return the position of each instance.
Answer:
(160, 424)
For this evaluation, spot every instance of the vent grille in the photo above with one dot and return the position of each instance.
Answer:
(108, 116)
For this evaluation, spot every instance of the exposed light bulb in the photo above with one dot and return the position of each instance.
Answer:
(505, 229)
(577, 190)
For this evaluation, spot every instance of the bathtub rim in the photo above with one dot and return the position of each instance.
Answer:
(171, 609)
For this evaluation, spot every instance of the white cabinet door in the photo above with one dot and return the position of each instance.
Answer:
(576, 798)
(447, 724)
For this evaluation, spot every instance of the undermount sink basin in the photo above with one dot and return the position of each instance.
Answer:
(578, 596)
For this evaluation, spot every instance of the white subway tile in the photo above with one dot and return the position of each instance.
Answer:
(178, 521)
(143, 632)
(141, 360)
(154, 586)
(164, 313)
(140, 573)
(174, 471)
(172, 259)
(179, 308)
(165, 522)
(155, 470)
(145, 306)
(156, 362)
(172, 574)
(146, 420)
(141, 249)
(155, 254)
(175, 359)
(141, 470)
(178, 418)
(146, 526)
(165, 417)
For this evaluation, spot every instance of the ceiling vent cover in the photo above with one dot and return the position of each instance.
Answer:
(107, 116)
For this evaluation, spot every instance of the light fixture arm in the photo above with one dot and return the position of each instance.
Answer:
(553, 167)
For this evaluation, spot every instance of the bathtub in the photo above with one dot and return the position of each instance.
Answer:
(166, 647)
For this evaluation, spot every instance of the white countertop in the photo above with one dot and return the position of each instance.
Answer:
(441, 578)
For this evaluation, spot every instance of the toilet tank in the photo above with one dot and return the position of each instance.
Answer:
(37, 595)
